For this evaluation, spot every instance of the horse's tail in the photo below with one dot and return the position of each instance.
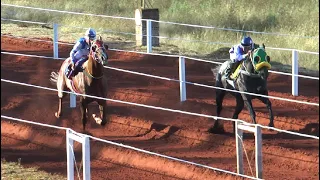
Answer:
(215, 71)
(54, 77)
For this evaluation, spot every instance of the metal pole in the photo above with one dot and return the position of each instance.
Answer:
(70, 163)
(295, 71)
(73, 100)
(258, 142)
(86, 158)
(149, 36)
(55, 41)
(239, 133)
(182, 78)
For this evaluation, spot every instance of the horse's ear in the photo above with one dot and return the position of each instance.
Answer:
(263, 46)
(100, 38)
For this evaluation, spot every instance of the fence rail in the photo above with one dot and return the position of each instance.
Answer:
(164, 109)
(186, 82)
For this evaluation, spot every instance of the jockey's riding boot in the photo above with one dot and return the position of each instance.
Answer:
(229, 70)
(70, 74)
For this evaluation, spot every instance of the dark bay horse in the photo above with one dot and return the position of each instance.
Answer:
(250, 76)
(89, 82)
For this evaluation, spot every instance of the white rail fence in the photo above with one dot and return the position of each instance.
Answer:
(295, 65)
(165, 109)
(181, 81)
(72, 135)
(182, 70)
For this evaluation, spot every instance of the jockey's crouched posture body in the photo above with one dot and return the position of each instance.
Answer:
(79, 53)
(239, 53)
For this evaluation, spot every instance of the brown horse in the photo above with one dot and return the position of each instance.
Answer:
(89, 82)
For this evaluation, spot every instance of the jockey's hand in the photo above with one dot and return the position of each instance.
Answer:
(249, 53)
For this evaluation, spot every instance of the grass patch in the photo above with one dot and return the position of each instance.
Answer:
(14, 170)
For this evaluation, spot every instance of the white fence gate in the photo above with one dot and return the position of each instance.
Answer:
(258, 147)
(84, 140)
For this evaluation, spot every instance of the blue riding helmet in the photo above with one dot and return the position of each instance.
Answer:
(246, 41)
(91, 33)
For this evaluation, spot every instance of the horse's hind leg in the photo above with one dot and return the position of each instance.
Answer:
(60, 87)
(59, 112)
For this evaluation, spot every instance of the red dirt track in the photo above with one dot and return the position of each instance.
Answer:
(182, 136)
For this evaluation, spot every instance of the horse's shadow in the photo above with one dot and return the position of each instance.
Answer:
(163, 131)
(310, 129)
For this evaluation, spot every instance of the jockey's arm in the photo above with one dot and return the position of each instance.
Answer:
(74, 50)
(237, 54)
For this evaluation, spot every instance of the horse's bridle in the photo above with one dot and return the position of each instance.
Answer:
(94, 56)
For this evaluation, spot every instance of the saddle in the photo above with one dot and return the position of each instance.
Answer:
(236, 72)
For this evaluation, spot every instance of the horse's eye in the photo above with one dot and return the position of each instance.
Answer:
(256, 59)
(268, 58)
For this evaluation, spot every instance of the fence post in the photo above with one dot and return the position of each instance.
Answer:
(86, 158)
(70, 165)
(295, 71)
(149, 36)
(182, 78)
(258, 147)
(258, 142)
(84, 140)
(239, 149)
(73, 100)
(55, 41)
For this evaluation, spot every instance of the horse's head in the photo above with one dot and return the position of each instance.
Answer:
(98, 51)
(260, 62)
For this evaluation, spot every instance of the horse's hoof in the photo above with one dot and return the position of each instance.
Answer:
(103, 122)
(216, 130)
(271, 125)
(97, 119)
(56, 114)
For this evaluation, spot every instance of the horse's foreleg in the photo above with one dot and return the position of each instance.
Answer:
(239, 107)
(250, 109)
(267, 102)
(103, 111)
(83, 109)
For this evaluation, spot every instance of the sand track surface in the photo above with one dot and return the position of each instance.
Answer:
(178, 135)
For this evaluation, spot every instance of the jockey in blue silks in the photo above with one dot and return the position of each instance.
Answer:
(239, 53)
(80, 51)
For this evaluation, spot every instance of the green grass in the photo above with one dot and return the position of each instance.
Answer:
(299, 18)
(13, 170)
